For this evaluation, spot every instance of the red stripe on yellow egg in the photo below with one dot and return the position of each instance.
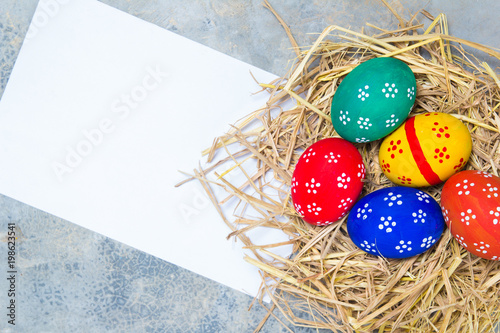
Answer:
(418, 154)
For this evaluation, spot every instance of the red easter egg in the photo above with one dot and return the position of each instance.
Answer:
(327, 180)
(470, 201)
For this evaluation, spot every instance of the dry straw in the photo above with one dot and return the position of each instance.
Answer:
(328, 282)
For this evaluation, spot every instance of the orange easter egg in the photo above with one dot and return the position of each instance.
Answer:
(426, 150)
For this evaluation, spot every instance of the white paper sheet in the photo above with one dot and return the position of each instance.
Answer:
(101, 111)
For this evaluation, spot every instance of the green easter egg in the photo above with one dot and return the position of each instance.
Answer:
(373, 100)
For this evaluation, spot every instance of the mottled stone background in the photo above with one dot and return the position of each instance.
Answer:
(73, 280)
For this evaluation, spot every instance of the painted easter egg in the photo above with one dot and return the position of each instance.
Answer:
(426, 150)
(327, 181)
(470, 201)
(373, 99)
(395, 222)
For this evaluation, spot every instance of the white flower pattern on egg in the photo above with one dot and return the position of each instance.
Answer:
(312, 186)
(465, 187)
(344, 117)
(482, 247)
(492, 190)
(410, 93)
(467, 216)
(393, 199)
(403, 246)
(386, 223)
(427, 242)
(461, 240)
(314, 209)
(298, 208)
(308, 154)
(445, 214)
(332, 158)
(361, 172)
(344, 203)
(419, 216)
(391, 122)
(422, 196)
(294, 185)
(363, 94)
(364, 123)
(496, 215)
(485, 174)
(368, 247)
(390, 90)
(343, 181)
(363, 212)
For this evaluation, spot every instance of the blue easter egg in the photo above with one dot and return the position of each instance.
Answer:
(395, 222)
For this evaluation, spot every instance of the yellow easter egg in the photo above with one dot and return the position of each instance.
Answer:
(426, 150)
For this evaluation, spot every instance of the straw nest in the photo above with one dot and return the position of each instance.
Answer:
(328, 282)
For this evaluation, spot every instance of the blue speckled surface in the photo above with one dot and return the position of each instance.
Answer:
(73, 280)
